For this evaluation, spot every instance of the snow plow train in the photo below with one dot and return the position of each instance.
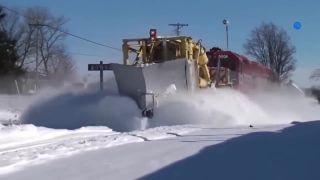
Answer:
(155, 65)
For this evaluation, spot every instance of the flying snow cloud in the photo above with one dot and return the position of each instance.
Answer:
(227, 107)
(216, 107)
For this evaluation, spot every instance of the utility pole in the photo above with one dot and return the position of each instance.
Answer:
(226, 23)
(178, 27)
(101, 76)
(37, 56)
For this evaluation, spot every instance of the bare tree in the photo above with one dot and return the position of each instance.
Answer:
(61, 63)
(38, 36)
(271, 46)
(47, 37)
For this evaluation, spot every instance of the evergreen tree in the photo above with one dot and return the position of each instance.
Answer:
(8, 54)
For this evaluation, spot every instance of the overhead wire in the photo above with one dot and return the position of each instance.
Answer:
(62, 31)
(86, 54)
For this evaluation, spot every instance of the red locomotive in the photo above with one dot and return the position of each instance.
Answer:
(228, 68)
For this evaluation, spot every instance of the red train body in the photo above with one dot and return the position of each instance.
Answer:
(236, 70)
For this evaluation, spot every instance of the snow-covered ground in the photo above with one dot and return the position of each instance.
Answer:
(144, 152)
(90, 135)
(23, 145)
(264, 152)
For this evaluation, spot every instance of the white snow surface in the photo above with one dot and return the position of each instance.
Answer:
(23, 145)
(141, 153)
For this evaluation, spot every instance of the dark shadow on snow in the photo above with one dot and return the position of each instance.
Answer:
(293, 153)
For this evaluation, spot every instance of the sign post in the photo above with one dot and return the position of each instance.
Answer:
(100, 67)
(101, 76)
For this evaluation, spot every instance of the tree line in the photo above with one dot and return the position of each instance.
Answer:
(32, 43)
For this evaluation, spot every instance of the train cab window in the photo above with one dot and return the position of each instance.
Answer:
(224, 62)
(227, 64)
(165, 51)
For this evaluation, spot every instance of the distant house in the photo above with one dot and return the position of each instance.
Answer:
(30, 82)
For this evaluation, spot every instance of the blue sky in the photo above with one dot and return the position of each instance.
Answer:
(111, 21)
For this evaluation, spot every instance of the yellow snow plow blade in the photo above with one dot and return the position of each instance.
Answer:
(152, 65)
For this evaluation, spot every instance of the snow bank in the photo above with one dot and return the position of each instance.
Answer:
(23, 145)
(8, 116)
(11, 136)
(16, 134)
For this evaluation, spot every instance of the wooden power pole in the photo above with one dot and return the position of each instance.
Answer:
(178, 27)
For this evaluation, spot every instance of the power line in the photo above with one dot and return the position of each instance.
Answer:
(86, 54)
(76, 36)
(9, 9)
(65, 32)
